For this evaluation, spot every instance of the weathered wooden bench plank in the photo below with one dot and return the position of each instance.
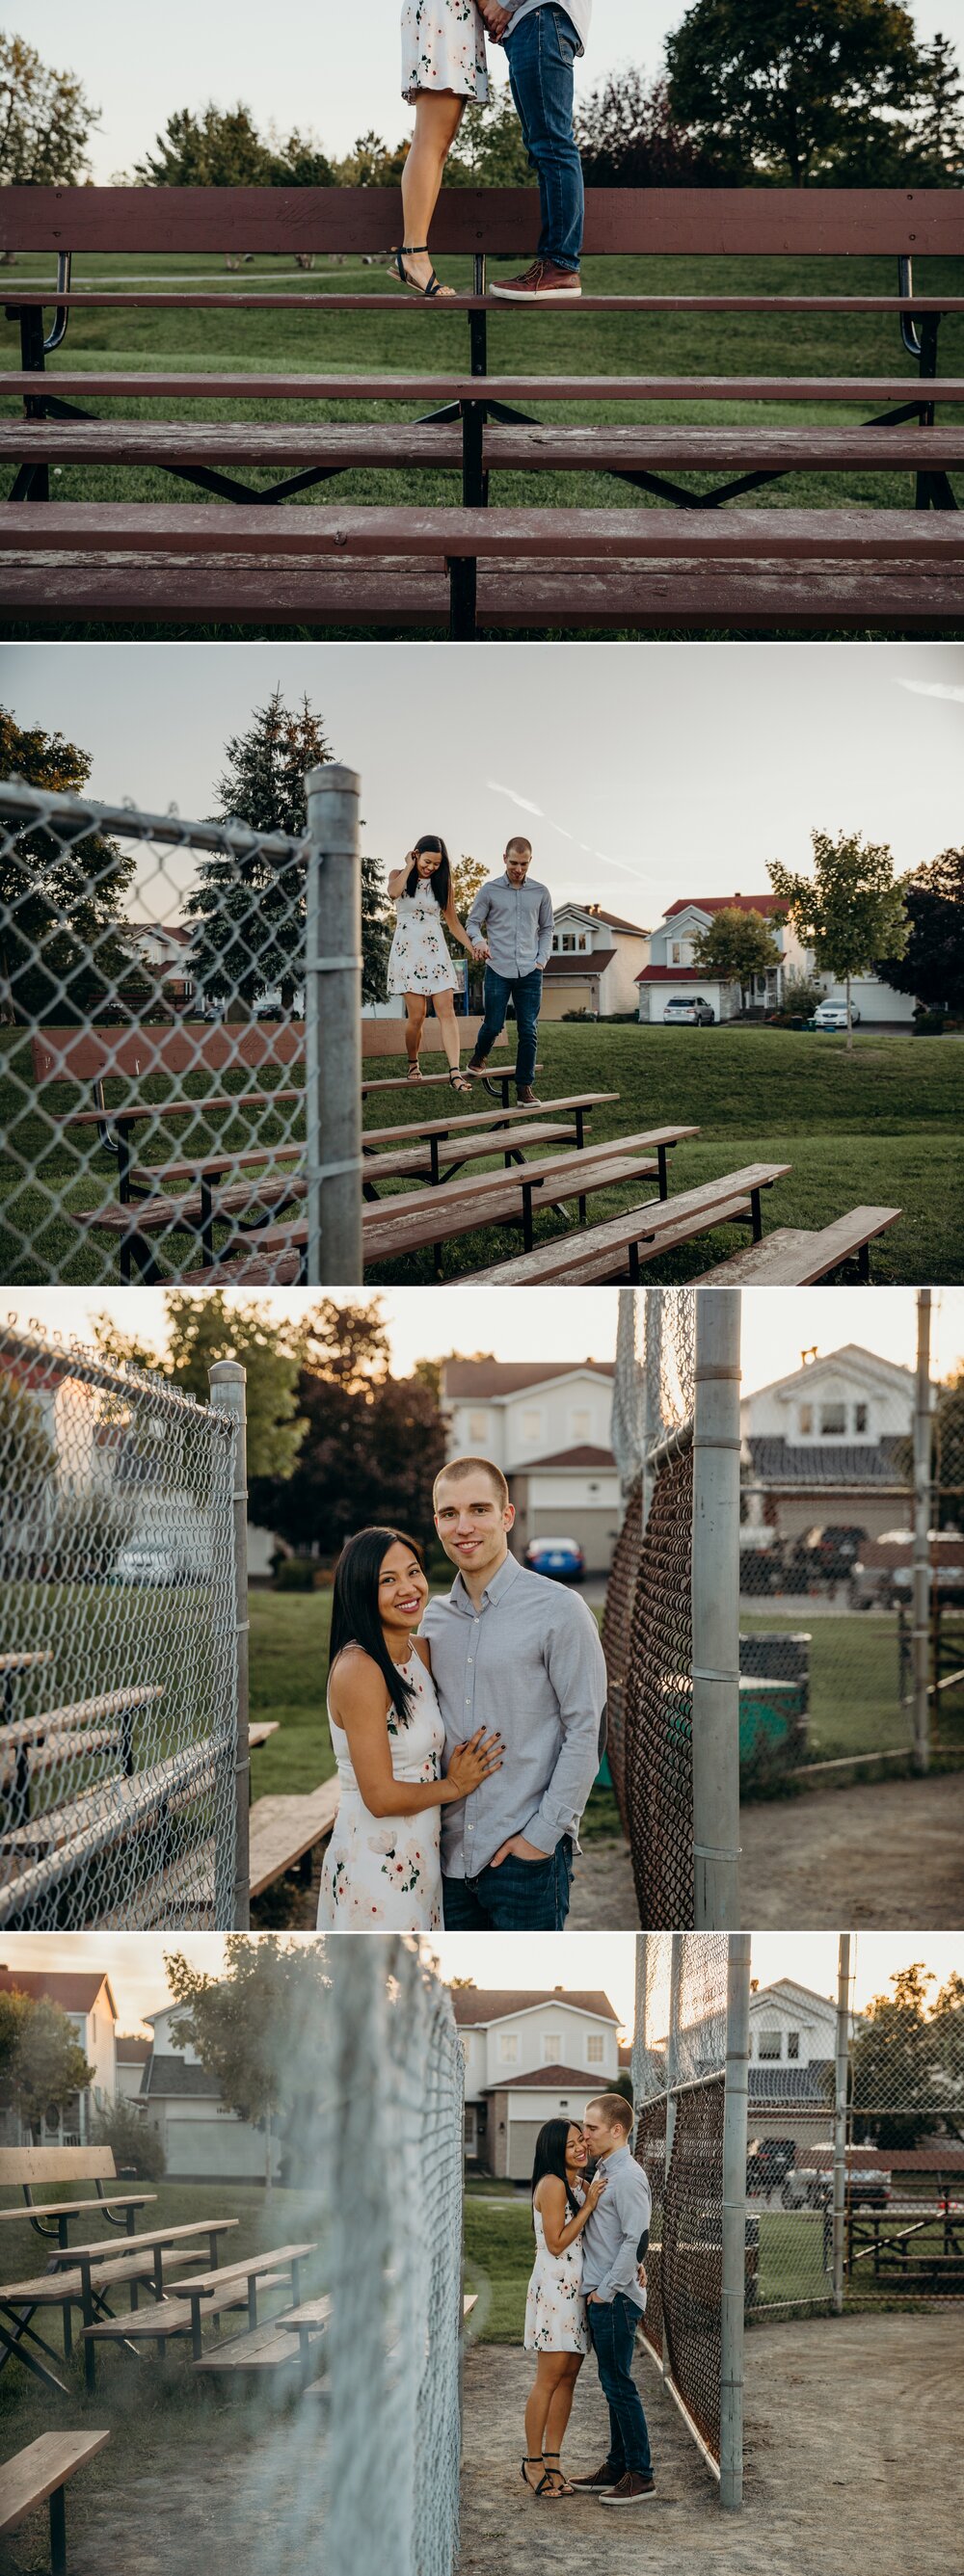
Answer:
(462, 1123)
(605, 1252)
(400, 304)
(38, 2475)
(232, 385)
(388, 444)
(603, 536)
(794, 1257)
(656, 1223)
(173, 2317)
(284, 1830)
(651, 448)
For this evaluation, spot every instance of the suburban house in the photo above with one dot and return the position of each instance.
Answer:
(596, 958)
(132, 2056)
(85, 1996)
(792, 2048)
(203, 2139)
(164, 949)
(548, 1428)
(829, 1443)
(529, 2057)
(671, 972)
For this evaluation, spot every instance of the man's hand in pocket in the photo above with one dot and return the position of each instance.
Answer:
(523, 1851)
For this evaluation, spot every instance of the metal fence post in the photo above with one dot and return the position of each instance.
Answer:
(227, 1384)
(841, 2075)
(922, 1522)
(716, 1611)
(733, 2285)
(333, 964)
(672, 2076)
(653, 1368)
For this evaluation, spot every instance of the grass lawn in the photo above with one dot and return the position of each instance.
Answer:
(880, 1127)
(551, 343)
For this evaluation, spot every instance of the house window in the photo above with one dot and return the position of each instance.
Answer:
(833, 1422)
(551, 2048)
(595, 2048)
(508, 2047)
(806, 1422)
(568, 942)
(531, 1426)
(768, 2044)
(581, 1423)
(471, 2131)
(793, 2043)
(861, 1417)
(478, 1426)
(675, 952)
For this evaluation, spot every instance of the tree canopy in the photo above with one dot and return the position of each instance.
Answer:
(932, 964)
(907, 2062)
(42, 2066)
(373, 1443)
(65, 945)
(800, 90)
(850, 911)
(221, 148)
(201, 1330)
(737, 946)
(45, 120)
(258, 2028)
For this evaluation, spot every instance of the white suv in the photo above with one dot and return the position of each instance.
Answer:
(683, 1013)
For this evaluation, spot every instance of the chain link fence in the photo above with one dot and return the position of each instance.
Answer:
(123, 1730)
(180, 1030)
(686, 2088)
(396, 2264)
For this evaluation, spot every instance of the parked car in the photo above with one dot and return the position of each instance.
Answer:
(826, 1554)
(562, 1558)
(883, 1574)
(811, 2187)
(768, 2161)
(833, 1015)
(181, 1555)
(681, 1012)
(761, 1568)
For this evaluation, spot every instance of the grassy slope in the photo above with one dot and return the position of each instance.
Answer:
(551, 343)
(881, 1126)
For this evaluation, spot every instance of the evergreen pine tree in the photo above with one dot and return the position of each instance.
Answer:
(65, 946)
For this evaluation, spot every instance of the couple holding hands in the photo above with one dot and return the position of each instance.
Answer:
(510, 926)
(444, 66)
(591, 2211)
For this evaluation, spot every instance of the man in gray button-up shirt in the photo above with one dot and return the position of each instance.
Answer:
(612, 2241)
(510, 1649)
(513, 917)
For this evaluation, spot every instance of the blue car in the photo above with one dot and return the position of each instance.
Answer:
(560, 1557)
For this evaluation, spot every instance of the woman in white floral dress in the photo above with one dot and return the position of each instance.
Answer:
(382, 1866)
(555, 2328)
(443, 65)
(419, 963)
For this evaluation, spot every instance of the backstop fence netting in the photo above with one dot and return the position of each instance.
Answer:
(160, 1015)
(119, 1714)
(679, 2089)
(396, 2175)
(647, 1631)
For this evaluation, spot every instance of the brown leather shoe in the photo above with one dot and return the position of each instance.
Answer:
(602, 2482)
(543, 283)
(632, 2489)
(528, 1099)
(479, 1067)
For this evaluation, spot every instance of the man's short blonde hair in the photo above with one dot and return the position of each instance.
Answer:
(518, 842)
(616, 2110)
(462, 1467)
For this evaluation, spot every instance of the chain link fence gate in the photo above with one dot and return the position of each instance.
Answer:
(396, 2175)
(180, 1037)
(669, 1632)
(690, 2050)
(123, 1671)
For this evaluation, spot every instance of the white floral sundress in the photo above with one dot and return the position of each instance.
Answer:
(555, 2306)
(443, 47)
(387, 1870)
(419, 961)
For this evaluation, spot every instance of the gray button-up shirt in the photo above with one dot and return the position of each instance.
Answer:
(610, 2238)
(517, 921)
(529, 1663)
(580, 11)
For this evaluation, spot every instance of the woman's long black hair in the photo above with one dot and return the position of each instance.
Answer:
(441, 877)
(550, 2158)
(354, 1611)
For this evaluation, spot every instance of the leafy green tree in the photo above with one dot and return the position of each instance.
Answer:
(137, 2146)
(909, 2060)
(64, 942)
(201, 1330)
(932, 965)
(222, 148)
(850, 911)
(27, 1455)
(736, 946)
(947, 1450)
(939, 140)
(628, 137)
(372, 163)
(258, 2028)
(797, 86)
(45, 119)
(489, 151)
(373, 1445)
(41, 2065)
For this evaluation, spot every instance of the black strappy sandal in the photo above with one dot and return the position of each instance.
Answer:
(413, 250)
(565, 2487)
(459, 1081)
(545, 2486)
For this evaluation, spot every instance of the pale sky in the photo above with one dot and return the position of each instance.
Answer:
(134, 1961)
(680, 769)
(572, 1324)
(330, 71)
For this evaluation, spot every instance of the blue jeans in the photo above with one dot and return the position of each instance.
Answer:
(613, 2333)
(520, 1896)
(526, 992)
(540, 55)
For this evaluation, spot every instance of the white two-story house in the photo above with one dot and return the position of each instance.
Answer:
(548, 1428)
(596, 958)
(671, 971)
(84, 1995)
(203, 2139)
(530, 2057)
(829, 1443)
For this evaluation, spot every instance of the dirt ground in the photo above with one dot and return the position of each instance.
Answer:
(886, 1856)
(853, 2463)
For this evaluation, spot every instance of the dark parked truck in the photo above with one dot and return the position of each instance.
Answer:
(883, 1575)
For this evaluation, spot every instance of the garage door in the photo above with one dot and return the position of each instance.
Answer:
(522, 2148)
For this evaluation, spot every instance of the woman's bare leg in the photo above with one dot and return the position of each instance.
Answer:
(560, 2407)
(445, 1015)
(438, 115)
(549, 2367)
(415, 1009)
